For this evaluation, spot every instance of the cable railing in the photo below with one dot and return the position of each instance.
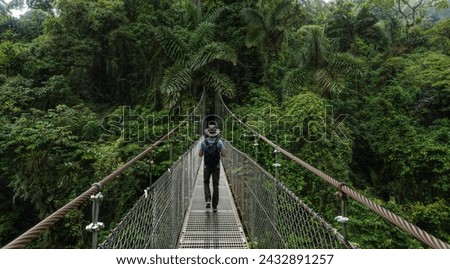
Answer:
(156, 219)
(231, 122)
(272, 215)
(192, 126)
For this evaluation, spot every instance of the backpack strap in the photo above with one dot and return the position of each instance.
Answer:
(216, 140)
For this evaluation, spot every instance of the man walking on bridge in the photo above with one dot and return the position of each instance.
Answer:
(212, 148)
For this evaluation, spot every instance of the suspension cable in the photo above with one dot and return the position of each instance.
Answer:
(398, 221)
(35, 231)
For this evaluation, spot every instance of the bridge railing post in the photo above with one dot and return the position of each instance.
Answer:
(150, 169)
(170, 147)
(95, 226)
(276, 164)
(343, 219)
(255, 144)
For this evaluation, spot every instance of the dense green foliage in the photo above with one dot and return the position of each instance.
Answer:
(73, 71)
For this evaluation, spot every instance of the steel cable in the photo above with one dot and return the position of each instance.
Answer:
(398, 221)
(35, 231)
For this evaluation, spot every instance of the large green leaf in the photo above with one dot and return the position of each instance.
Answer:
(211, 52)
(203, 35)
(329, 81)
(176, 79)
(281, 12)
(253, 17)
(293, 81)
(172, 44)
(254, 37)
(348, 64)
(218, 82)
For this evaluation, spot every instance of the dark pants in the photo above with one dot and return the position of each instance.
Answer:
(207, 172)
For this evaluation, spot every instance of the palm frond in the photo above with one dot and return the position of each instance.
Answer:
(219, 82)
(203, 34)
(315, 45)
(215, 14)
(364, 19)
(293, 81)
(383, 29)
(329, 81)
(211, 52)
(171, 43)
(415, 39)
(191, 16)
(337, 32)
(252, 16)
(176, 79)
(254, 37)
(280, 12)
(347, 63)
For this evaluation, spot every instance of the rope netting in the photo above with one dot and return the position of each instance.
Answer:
(157, 217)
(187, 131)
(272, 215)
(274, 203)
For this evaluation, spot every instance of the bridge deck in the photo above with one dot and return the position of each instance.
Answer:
(204, 228)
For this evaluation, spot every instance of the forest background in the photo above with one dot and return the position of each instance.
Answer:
(66, 65)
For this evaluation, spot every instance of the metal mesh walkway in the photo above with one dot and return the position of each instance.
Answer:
(204, 228)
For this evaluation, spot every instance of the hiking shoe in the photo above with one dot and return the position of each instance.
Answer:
(208, 204)
(215, 209)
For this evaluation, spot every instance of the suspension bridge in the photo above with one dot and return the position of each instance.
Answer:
(256, 210)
